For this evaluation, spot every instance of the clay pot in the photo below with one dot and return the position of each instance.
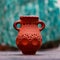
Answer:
(29, 38)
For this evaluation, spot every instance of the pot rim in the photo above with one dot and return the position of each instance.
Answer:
(29, 17)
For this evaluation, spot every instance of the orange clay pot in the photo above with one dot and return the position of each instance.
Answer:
(29, 38)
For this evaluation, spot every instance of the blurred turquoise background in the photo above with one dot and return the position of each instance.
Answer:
(11, 10)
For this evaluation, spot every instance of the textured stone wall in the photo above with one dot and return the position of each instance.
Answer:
(11, 10)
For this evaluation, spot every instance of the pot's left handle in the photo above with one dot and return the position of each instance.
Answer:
(15, 25)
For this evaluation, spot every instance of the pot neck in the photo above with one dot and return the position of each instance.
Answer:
(29, 19)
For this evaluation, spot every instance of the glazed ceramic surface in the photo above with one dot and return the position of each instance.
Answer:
(29, 38)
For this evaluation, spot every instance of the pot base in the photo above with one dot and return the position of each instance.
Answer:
(28, 52)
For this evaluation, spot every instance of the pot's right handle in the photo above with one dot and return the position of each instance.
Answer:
(15, 25)
(42, 25)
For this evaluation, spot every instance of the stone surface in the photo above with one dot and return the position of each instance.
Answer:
(53, 54)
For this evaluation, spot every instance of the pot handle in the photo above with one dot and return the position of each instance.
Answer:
(42, 25)
(15, 25)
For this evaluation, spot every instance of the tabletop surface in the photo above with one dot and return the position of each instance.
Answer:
(52, 54)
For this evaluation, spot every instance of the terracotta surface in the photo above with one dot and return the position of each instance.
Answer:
(29, 38)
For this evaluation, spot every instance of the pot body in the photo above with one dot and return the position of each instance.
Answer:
(29, 38)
